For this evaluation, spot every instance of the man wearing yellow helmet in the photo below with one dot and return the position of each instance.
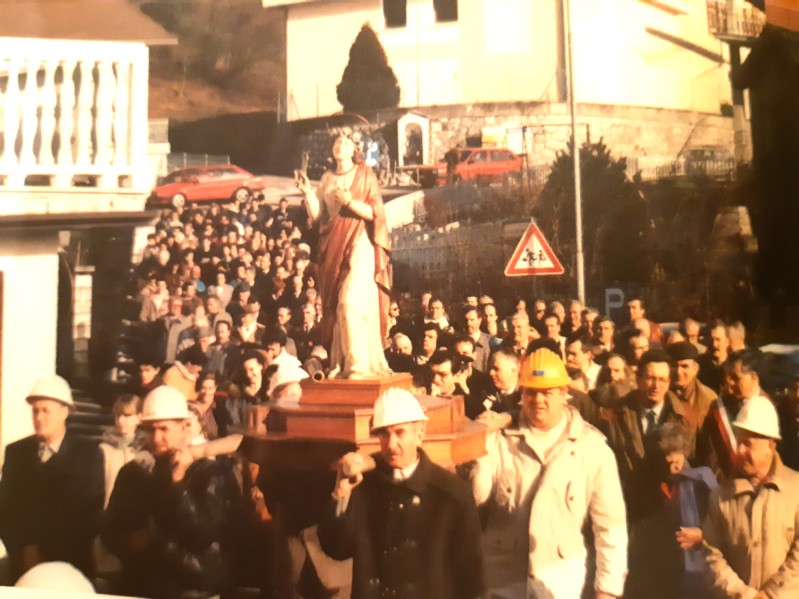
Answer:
(547, 513)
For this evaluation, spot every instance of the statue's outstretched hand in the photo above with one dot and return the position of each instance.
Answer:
(301, 181)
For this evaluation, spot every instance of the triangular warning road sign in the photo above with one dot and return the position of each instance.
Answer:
(533, 256)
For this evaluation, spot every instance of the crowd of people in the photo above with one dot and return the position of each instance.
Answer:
(620, 460)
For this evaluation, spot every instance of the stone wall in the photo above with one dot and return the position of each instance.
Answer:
(647, 137)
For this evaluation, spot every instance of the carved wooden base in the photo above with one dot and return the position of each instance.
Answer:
(348, 392)
(352, 423)
(340, 411)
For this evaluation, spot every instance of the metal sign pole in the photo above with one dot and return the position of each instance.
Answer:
(578, 201)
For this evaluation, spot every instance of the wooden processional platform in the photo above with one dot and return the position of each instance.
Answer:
(333, 417)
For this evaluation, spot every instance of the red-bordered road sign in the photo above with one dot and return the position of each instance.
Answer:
(533, 256)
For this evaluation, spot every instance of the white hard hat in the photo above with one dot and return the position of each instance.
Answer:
(759, 416)
(285, 374)
(52, 387)
(396, 406)
(164, 403)
(56, 576)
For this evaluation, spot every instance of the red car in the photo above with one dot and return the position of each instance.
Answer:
(206, 184)
(484, 165)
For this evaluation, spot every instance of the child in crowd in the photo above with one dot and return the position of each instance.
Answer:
(687, 489)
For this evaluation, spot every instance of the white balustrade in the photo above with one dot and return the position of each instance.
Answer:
(73, 113)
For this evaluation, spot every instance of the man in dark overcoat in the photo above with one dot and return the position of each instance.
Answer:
(410, 526)
(52, 490)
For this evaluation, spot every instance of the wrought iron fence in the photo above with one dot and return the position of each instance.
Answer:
(734, 19)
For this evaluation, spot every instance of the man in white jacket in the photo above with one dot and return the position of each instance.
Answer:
(543, 481)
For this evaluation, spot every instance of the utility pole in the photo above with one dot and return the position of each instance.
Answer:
(418, 11)
(578, 200)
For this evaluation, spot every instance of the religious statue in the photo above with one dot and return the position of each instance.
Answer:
(354, 265)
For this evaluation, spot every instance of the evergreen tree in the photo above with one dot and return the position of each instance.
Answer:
(368, 83)
(615, 221)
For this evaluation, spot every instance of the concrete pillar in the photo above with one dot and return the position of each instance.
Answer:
(29, 264)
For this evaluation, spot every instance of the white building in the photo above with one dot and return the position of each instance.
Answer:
(637, 53)
(73, 156)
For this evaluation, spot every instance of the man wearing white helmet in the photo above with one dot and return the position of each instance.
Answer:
(410, 526)
(51, 493)
(167, 513)
(751, 532)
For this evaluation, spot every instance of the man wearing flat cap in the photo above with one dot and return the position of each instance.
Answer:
(695, 396)
(410, 526)
(52, 491)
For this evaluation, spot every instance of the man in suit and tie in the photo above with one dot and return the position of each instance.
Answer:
(633, 434)
(52, 489)
(307, 334)
(482, 351)
(506, 394)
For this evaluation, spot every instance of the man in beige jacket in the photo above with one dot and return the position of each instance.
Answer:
(542, 481)
(750, 532)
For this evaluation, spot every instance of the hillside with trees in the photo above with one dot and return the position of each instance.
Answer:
(230, 58)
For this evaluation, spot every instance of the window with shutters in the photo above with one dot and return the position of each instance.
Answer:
(446, 10)
(395, 13)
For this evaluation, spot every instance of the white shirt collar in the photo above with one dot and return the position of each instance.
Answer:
(55, 446)
(407, 472)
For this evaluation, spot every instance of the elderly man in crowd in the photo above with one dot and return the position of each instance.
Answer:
(717, 445)
(696, 397)
(691, 330)
(399, 355)
(544, 481)
(521, 334)
(51, 492)
(751, 531)
(168, 512)
(410, 526)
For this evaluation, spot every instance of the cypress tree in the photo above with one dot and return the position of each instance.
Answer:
(368, 83)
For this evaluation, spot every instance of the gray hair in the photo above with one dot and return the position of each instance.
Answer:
(674, 438)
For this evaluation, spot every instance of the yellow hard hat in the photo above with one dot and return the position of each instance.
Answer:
(543, 369)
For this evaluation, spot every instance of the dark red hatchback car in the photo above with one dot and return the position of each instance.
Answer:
(484, 165)
(206, 184)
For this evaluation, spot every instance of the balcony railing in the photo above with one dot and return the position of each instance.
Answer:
(734, 19)
(73, 114)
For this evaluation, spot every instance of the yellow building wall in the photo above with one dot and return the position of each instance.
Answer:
(618, 61)
(508, 50)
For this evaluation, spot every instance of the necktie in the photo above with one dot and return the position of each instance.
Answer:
(398, 475)
(45, 452)
(650, 422)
